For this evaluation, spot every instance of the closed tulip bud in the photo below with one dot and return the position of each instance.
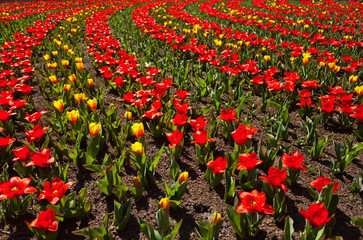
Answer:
(164, 203)
(138, 129)
(53, 79)
(128, 115)
(73, 116)
(67, 87)
(46, 57)
(79, 66)
(267, 58)
(353, 79)
(92, 104)
(65, 47)
(59, 105)
(217, 218)
(183, 177)
(90, 82)
(306, 61)
(136, 181)
(59, 43)
(93, 129)
(137, 148)
(55, 53)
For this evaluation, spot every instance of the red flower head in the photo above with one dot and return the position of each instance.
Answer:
(179, 119)
(294, 161)
(54, 191)
(198, 124)
(41, 159)
(35, 117)
(35, 134)
(253, 202)
(182, 94)
(45, 221)
(228, 115)
(311, 84)
(201, 138)
(15, 187)
(322, 181)
(276, 177)
(358, 113)
(5, 142)
(22, 154)
(248, 161)
(317, 215)
(174, 138)
(218, 165)
(243, 133)
(5, 115)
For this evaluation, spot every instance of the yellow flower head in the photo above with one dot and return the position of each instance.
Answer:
(216, 218)
(59, 105)
(78, 59)
(164, 203)
(138, 129)
(137, 148)
(90, 82)
(267, 58)
(55, 53)
(183, 177)
(359, 90)
(93, 129)
(65, 63)
(353, 79)
(67, 87)
(53, 79)
(46, 57)
(92, 104)
(72, 78)
(79, 66)
(73, 116)
(65, 47)
(128, 115)
(80, 97)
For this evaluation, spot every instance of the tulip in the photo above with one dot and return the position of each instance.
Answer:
(228, 115)
(322, 181)
(217, 217)
(41, 158)
(22, 154)
(94, 128)
(137, 148)
(248, 161)
(128, 115)
(15, 187)
(138, 129)
(359, 90)
(317, 215)
(46, 221)
(54, 191)
(92, 104)
(294, 161)
(267, 58)
(253, 202)
(174, 138)
(72, 78)
(5, 142)
(201, 138)
(67, 87)
(53, 79)
(73, 116)
(59, 105)
(78, 59)
(164, 203)
(79, 66)
(353, 79)
(198, 124)
(183, 177)
(275, 177)
(80, 97)
(218, 166)
(179, 119)
(55, 53)
(65, 63)
(90, 82)
(35, 134)
(46, 57)
(136, 181)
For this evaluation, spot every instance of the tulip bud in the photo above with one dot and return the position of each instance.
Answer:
(46, 57)
(53, 79)
(79, 66)
(137, 148)
(267, 58)
(65, 63)
(164, 203)
(92, 104)
(183, 177)
(353, 79)
(55, 53)
(359, 90)
(72, 78)
(128, 115)
(65, 47)
(73, 116)
(136, 181)
(217, 218)
(90, 82)
(138, 129)
(94, 128)
(67, 87)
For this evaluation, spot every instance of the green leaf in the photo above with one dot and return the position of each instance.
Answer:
(289, 229)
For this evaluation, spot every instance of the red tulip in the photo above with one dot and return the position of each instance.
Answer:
(54, 191)
(35, 117)
(15, 187)
(254, 202)
(174, 138)
(358, 113)
(198, 124)
(41, 159)
(5, 142)
(45, 221)
(35, 134)
(179, 119)
(317, 215)
(22, 154)
(243, 133)
(294, 161)
(5, 115)
(276, 177)
(218, 165)
(248, 161)
(322, 181)
(201, 138)
(228, 115)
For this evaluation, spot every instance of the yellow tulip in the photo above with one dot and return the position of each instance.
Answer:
(183, 177)
(65, 63)
(67, 87)
(138, 129)
(53, 79)
(72, 78)
(359, 90)
(80, 97)
(267, 58)
(92, 104)
(216, 218)
(73, 116)
(93, 129)
(128, 115)
(79, 66)
(137, 148)
(59, 105)
(90, 82)
(164, 203)
(353, 78)
(46, 57)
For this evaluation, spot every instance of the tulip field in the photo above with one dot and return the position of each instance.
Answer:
(176, 119)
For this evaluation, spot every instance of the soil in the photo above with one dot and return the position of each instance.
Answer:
(199, 202)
